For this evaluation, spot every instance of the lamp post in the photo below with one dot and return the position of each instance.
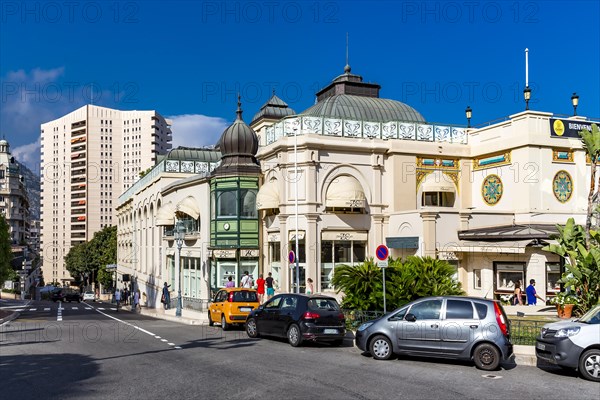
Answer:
(469, 114)
(179, 237)
(296, 205)
(575, 101)
(527, 96)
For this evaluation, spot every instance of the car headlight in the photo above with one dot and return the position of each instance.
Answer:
(566, 332)
(364, 326)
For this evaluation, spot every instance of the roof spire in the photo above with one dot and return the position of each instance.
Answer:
(347, 68)
(239, 109)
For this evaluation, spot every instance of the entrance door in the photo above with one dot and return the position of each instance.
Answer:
(302, 278)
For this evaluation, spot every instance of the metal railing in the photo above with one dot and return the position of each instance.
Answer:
(190, 303)
(524, 332)
(355, 318)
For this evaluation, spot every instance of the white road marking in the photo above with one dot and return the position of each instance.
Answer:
(74, 308)
(178, 348)
(171, 344)
(88, 308)
(33, 309)
(101, 308)
(124, 322)
(114, 309)
(163, 340)
(47, 309)
(59, 312)
(19, 309)
(158, 337)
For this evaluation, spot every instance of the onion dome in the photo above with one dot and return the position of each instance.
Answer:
(238, 145)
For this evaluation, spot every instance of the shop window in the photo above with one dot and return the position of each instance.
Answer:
(507, 274)
(339, 252)
(274, 252)
(553, 274)
(438, 199)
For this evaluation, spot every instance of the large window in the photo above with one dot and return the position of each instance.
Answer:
(227, 204)
(191, 270)
(248, 204)
(507, 274)
(339, 252)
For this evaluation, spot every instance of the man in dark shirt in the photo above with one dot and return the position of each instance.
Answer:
(270, 289)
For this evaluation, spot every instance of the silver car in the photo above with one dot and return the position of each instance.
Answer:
(462, 328)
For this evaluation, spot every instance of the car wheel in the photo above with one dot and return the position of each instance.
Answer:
(381, 348)
(486, 357)
(251, 328)
(294, 335)
(589, 365)
(224, 323)
(210, 321)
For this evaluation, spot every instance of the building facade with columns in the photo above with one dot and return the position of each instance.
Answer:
(364, 171)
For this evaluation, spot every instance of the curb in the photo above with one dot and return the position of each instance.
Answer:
(11, 317)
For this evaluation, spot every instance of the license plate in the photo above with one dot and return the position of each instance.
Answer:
(245, 309)
(541, 346)
(330, 331)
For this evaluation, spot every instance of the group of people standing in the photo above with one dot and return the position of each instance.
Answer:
(124, 295)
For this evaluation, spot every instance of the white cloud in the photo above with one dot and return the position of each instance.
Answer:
(29, 154)
(196, 130)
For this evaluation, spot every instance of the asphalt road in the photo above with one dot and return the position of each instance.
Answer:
(93, 351)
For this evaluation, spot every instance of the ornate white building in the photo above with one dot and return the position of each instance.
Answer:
(373, 171)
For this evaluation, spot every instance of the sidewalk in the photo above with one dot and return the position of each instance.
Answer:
(188, 317)
(530, 311)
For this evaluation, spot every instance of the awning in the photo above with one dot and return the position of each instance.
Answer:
(165, 215)
(510, 232)
(345, 191)
(189, 206)
(466, 246)
(268, 196)
(343, 235)
(437, 187)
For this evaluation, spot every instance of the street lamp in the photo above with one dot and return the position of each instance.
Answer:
(469, 114)
(296, 205)
(527, 96)
(179, 237)
(575, 101)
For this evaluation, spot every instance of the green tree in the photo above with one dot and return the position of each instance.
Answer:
(582, 264)
(5, 251)
(93, 256)
(362, 286)
(591, 145)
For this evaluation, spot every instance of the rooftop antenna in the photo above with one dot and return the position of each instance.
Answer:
(347, 68)
(526, 67)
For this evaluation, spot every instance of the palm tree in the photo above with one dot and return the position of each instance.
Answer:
(591, 145)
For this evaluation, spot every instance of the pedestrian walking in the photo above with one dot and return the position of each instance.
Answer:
(166, 296)
(260, 288)
(118, 298)
(136, 300)
(532, 294)
(270, 289)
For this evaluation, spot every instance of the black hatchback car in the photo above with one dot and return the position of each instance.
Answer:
(299, 317)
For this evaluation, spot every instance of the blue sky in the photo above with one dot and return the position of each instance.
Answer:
(187, 59)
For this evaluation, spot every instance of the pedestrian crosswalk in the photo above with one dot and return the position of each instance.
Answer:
(45, 309)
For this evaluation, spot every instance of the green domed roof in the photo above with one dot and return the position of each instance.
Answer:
(362, 108)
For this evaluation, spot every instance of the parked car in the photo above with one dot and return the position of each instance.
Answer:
(573, 344)
(89, 296)
(231, 306)
(299, 317)
(462, 328)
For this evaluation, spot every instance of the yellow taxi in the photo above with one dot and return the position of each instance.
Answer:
(231, 306)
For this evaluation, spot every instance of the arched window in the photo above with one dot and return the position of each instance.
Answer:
(227, 204)
(248, 204)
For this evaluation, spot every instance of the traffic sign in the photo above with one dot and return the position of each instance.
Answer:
(291, 256)
(382, 252)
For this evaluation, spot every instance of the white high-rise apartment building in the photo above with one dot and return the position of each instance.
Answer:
(89, 157)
